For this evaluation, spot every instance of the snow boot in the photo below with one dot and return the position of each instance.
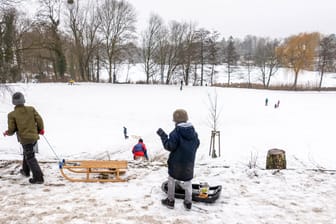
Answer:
(23, 173)
(187, 205)
(168, 203)
(36, 181)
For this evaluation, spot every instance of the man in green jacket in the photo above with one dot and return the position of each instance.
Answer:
(27, 124)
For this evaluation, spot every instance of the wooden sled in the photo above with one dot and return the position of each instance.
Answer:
(213, 195)
(93, 170)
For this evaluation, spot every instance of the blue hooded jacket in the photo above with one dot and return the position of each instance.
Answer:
(182, 143)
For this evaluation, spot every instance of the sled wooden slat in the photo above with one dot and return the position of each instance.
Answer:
(94, 170)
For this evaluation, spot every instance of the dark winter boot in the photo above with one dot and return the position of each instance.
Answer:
(23, 173)
(187, 205)
(168, 203)
(36, 181)
(33, 165)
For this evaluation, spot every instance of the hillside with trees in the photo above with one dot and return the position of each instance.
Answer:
(78, 39)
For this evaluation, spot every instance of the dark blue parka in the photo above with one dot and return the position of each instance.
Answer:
(182, 143)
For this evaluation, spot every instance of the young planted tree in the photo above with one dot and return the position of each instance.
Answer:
(298, 53)
(117, 26)
(214, 122)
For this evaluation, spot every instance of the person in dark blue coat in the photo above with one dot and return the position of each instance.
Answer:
(182, 143)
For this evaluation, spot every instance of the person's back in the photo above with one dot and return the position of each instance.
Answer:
(139, 150)
(27, 124)
(182, 143)
(26, 121)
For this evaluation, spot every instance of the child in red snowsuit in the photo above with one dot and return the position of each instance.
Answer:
(140, 150)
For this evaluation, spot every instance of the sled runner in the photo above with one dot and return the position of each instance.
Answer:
(93, 170)
(213, 193)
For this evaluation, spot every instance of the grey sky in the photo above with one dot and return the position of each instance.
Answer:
(272, 18)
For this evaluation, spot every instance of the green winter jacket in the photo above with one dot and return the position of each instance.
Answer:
(26, 122)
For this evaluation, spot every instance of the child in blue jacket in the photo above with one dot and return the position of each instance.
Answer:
(182, 143)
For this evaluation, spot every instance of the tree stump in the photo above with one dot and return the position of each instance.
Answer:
(276, 159)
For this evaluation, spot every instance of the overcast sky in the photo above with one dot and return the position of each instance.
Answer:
(263, 18)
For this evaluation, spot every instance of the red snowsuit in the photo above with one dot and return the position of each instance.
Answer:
(139, 150)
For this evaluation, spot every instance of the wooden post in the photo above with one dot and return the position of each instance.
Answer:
(276, 159)
(212, 150)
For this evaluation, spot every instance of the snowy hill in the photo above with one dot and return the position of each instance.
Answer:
(85, 121)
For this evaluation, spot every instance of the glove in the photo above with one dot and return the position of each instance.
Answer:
(5, 133)
(161, 132)
(41, 132)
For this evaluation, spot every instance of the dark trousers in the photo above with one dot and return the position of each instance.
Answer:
(29, 162)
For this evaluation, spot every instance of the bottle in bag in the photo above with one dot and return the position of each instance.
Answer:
(203, 189)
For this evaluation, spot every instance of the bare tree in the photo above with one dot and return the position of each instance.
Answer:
(202, 37)
(214, 122)
(7, 53)
(188, 53)
(176, 37)
(49, 17)
(150, 45)
(248, 46)
(230, 57)
(13, 26)
(84, 29)
(163, 49)
(327, 52)
(266, 59)
(214, 111)
(8, 3)
(117, 26)
(213, 51)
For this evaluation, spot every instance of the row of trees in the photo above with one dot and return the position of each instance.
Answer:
(79, 39)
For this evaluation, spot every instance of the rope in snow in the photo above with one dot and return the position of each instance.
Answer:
(51, 148)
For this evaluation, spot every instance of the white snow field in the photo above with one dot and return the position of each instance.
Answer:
(85, 121)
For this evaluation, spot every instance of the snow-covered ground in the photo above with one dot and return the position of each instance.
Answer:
(85, 121)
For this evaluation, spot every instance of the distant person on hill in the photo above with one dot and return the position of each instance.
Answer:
(182, 143)
(71, 82)
(266, 101)
(27, 124)
(125, 133)
(181, 86)
(277, 104)
(140, 151)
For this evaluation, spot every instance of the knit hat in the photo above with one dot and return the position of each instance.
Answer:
(180, 115)
(18, 99)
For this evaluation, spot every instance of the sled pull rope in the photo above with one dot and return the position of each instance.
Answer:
(51, 148)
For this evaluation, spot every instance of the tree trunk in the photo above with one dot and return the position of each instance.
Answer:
(276, 159)
(295, 80)
(321, 79)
